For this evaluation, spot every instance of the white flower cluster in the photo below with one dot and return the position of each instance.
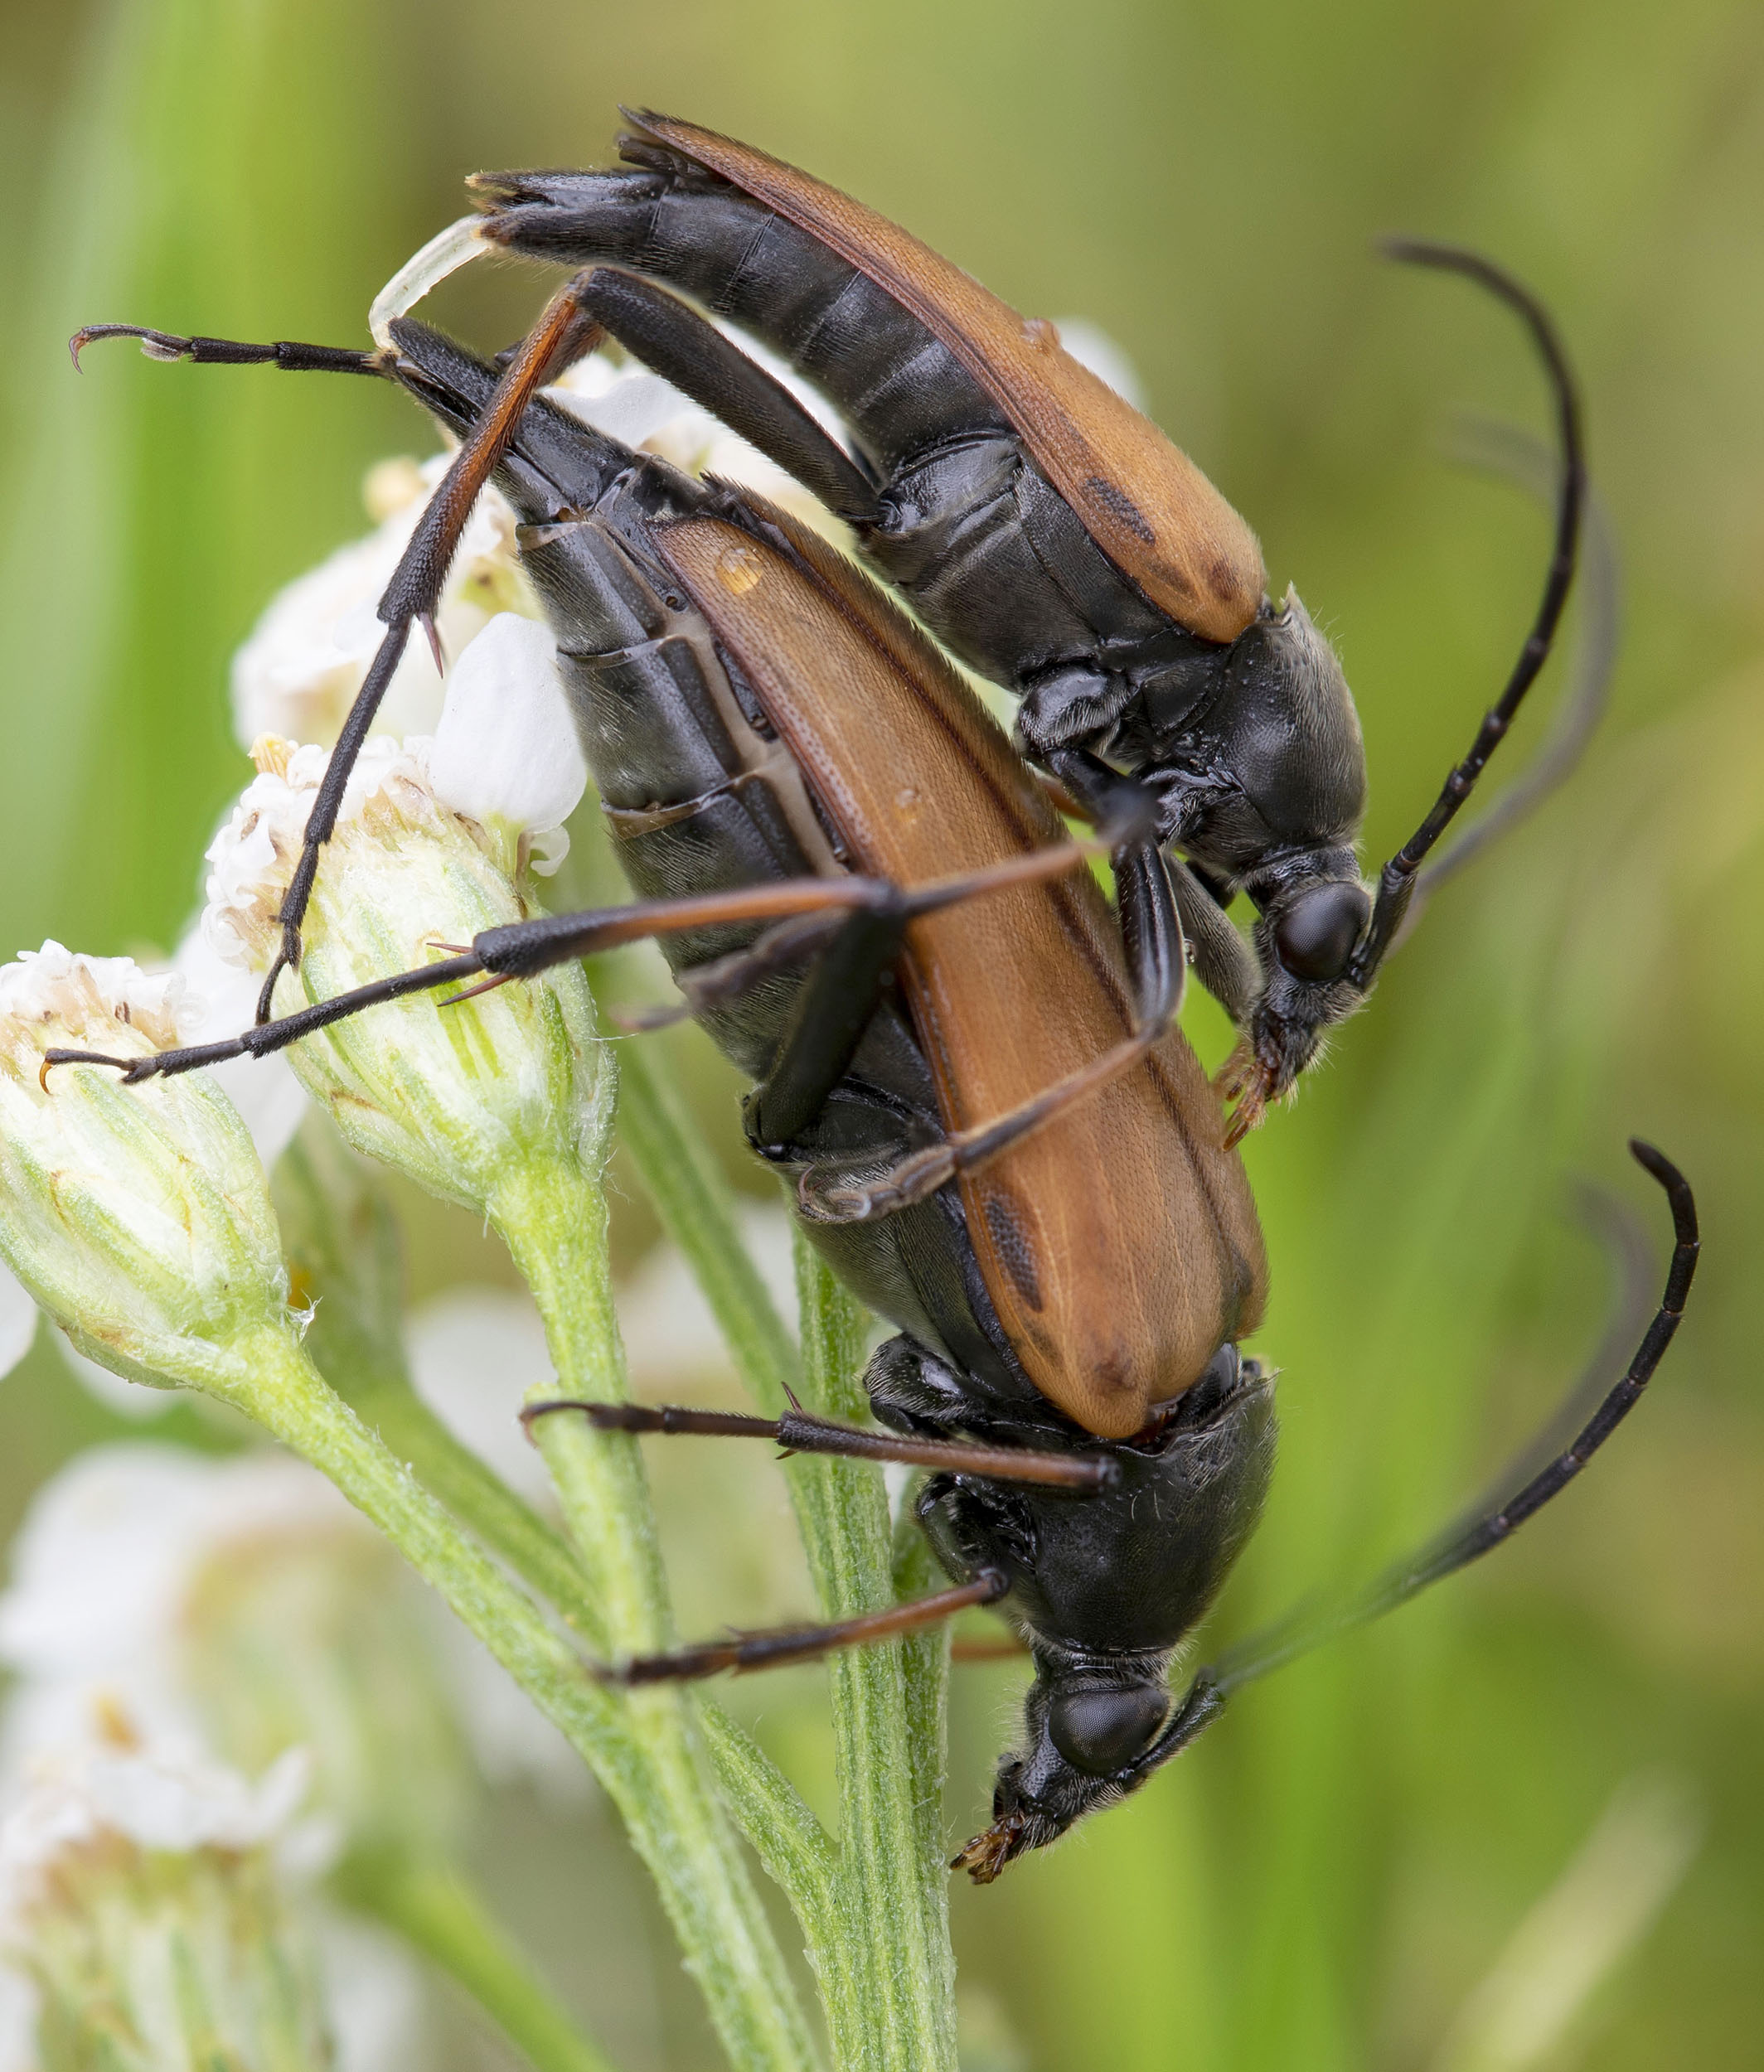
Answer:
(142, 1707)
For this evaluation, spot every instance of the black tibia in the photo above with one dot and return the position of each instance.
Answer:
(1225, 964)
(1026, 1814)
(265, 1037)
(524, 949)
(672, 339)
(784, 1644)
(833, 1010)
(565, 333)
(1156, 955)
(799, 1431)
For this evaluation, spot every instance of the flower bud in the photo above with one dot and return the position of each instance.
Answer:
(138, 1217)
(433, 846)
(141, 1897)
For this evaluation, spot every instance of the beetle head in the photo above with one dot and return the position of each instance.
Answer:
(1314, 912)
(1130, 1571)
(1089, 1722)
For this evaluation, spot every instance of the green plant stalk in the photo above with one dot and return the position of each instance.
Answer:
(892, 1885)
(873, 1909)
(342, 1244)
(553, 1219)
(478, 1497)
(344, 1256)
(648, 1773)
(438, 1911)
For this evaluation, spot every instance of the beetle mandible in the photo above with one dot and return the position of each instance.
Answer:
(782, 756)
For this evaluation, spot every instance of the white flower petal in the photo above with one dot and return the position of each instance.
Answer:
(299, 669)
(633, 409)
(157, 1800)
(101, 1563)
(506, 750)
(18, 1320)
(86, 994)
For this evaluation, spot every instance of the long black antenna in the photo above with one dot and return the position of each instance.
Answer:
(1397, 880)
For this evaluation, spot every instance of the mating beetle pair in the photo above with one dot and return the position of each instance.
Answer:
(967, 1065)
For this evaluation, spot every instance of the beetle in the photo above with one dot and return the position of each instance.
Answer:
(1049, 534)
(995, 1131)
(1045, 531)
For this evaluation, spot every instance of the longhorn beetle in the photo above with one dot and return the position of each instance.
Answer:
(1042, 527)
(1049, 533)
(995, 1131)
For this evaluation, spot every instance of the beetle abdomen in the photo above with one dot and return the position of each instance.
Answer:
(899, 388)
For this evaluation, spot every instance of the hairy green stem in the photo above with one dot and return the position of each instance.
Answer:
(552, 1217)
(438, 1910)
(874, 1907)
(641, 1755)
(892, 2010)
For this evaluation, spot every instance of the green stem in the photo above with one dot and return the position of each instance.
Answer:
(875, 1911)
(638, 1752)
(890, 2000)
(480, 1500)
(435, 1909)
(552, 1218)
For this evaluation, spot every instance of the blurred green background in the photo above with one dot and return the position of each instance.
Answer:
(1323, 1882)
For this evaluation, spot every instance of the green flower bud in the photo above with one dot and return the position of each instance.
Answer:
(138, 1217)
(436, 842)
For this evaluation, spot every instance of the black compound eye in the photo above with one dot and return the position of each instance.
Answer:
(1315, 937)
(1099, 1732)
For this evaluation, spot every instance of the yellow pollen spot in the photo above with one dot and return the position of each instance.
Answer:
(738, 569)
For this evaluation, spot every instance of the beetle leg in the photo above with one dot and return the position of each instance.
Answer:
(286, 353)
(1006, 1648)
(920, 1175)
(564, 333)
(523, 949)
(1157, 960)
(671, 339)
(799, 1431)
(783, 1644)
(1225, 960)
